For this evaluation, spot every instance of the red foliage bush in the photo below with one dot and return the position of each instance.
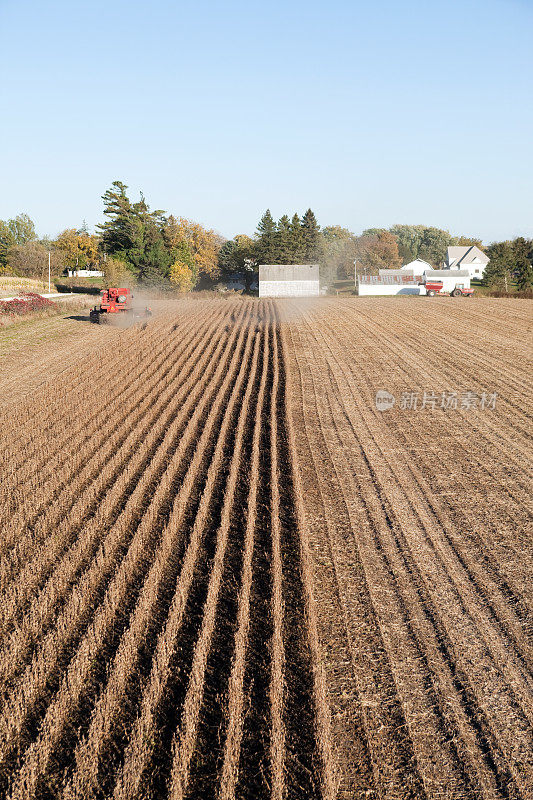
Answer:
(27, 304)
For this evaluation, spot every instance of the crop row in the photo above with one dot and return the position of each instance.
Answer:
(157, 627)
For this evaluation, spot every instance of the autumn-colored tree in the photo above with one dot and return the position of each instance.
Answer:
(79, 249)
(116, 272)
(377, 251)
(204, 245)
(468, 241)
(183, 272)
(182, 276)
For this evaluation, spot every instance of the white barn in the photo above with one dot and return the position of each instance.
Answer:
(417, 266)
(389, 282)
(289, 280)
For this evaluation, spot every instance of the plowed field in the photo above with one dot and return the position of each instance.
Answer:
(226, 574)
(420, 531)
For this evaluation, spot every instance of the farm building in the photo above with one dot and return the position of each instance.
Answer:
(417, 266)
(289, 280)
(85, 273)
(408, 275)
(389, 281)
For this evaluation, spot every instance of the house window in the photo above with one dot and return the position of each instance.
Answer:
(476, 270)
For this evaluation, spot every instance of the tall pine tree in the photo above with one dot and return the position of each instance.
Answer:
(297, 241)
(267, 239)
(135, 234)
(117, 229)
(310, 237)
(284, 240)
(290, 241)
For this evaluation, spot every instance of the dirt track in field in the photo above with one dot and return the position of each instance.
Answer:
(228, 575)
(420, 529)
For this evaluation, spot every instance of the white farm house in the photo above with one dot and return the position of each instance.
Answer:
(471, 259)
(289, 280)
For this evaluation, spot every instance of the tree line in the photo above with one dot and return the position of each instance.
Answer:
(510, 261)
(133, 244)
(292, 240)
(151, 247)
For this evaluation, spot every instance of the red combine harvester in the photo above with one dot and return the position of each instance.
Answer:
(117, 304)
(436, 287)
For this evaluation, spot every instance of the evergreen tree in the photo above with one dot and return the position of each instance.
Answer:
(310, 237)
(297, 244)
(284, 241)
(523, 257)
(117, 229)
(136, 235)
(266, 247)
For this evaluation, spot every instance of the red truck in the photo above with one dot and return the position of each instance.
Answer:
(436, 287)
(117, 302)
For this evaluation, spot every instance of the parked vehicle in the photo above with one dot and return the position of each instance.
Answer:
(437, 287)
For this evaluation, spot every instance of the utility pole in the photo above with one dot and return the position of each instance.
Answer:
(355, 272)
(49, 290)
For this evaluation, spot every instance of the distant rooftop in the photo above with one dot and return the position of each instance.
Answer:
(447, 273)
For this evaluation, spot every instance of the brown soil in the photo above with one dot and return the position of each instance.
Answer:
(225, 574)
(420, 525)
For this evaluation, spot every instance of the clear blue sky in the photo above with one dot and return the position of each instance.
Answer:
(371, 113)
